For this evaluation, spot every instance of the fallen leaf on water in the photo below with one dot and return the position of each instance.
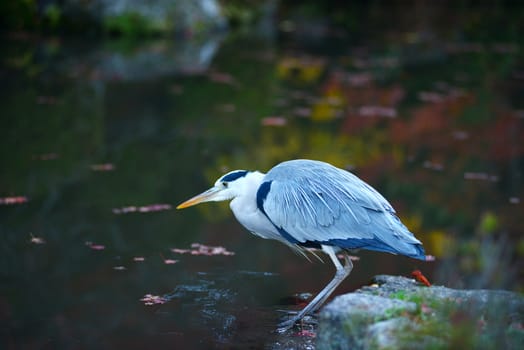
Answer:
(139, 258)
(201, 249)
(433, 97)
(124, 210)
(150, 299)
(377, 111)
(304, 112)
(180, 251)
(154, 207)
(433, 165)
(480, 176)
(119, 268)
(359, 79)
(222, 78)
(514, 200)
(13, 200)
(103, 167)
(95, 246)
(36, 240)
(143, 209)
(274, 121)
(168, 261)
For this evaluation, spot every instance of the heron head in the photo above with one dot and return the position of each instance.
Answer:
(225, 188)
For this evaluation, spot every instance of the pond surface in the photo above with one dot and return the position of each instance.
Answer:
(100, 142)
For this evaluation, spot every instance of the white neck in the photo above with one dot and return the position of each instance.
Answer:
(245, 209)
(246, 192)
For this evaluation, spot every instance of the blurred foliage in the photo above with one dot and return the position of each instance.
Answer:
(448, 14)
(51, 16)
(300, 70)
(242, 12)
(488, 224)
(18, 14)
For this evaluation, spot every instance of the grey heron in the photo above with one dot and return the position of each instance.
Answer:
(312, 204)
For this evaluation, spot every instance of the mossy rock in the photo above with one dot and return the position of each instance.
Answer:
(397, 312)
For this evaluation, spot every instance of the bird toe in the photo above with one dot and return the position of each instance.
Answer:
(286, 325)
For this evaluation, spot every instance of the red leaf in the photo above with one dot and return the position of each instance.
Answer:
(417, 274)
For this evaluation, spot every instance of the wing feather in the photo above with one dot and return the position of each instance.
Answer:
(315, 201)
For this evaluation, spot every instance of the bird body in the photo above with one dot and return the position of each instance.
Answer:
(313, 204)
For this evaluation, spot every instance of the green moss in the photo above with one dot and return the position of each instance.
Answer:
(400, 295)
(447, 323)
(393, 312)
(351, 328)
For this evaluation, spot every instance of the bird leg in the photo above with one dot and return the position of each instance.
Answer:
(342, 272)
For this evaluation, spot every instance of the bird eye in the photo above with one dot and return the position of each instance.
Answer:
(225, 184)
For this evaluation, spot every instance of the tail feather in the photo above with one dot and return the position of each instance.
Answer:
(415, 251)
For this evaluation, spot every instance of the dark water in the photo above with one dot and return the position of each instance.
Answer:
(100, 141)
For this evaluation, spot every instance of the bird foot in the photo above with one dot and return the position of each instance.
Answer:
(287, 325)
(301, 320)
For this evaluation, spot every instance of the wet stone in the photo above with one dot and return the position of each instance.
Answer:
(398, 312)
(346, 322)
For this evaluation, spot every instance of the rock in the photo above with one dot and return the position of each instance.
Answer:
(147, 60)
(350, 314)
(130, 16)
(397, 312)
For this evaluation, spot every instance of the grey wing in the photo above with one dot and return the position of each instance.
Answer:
(314, 201)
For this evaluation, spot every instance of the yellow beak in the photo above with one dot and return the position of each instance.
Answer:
(200, 198)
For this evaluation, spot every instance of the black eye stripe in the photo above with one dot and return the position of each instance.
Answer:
(234, 175)
(225, 184)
